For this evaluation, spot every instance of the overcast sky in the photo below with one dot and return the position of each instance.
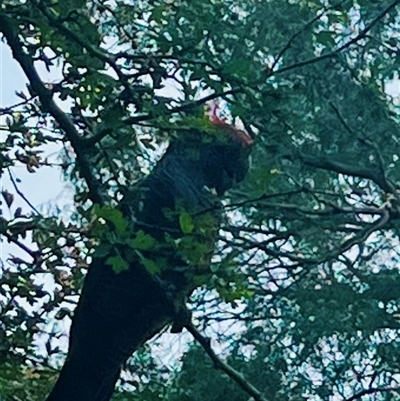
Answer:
(43, 188)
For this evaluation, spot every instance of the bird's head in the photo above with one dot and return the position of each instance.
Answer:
(212, 111)
(226, 160)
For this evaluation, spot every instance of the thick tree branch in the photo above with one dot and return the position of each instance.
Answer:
(227, 369)
(347, 169)
(46, 98)
(384, 182)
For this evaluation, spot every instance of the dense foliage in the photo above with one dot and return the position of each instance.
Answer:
(305, 296)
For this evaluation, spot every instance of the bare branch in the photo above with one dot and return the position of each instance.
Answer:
(35, 255)
(381, 180)
(362, 237)
(372, 391)
(17, 190)
(8, 110)
(346, 169)
(220, 364)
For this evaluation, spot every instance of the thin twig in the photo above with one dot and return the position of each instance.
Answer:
(183, 107)
(363, 236)
(351, 42)
(372, 391)
(35, 255)
(9, 109)
(295, 35)
(56, 23)
(17, 190)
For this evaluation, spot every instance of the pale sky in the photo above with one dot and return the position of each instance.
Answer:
(43, 188)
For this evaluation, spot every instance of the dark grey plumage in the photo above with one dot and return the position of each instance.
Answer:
(117, 313)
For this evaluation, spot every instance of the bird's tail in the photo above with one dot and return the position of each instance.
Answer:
(78, 384)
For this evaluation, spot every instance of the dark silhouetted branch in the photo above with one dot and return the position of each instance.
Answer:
(227, 369)
(11, 33)
(345, 46)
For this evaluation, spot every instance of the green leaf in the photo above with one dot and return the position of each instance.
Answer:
(102, 250)
(186, 222)
(151, 266)
(326, 38)
(113, 216)
(143, 241)
(118, 263)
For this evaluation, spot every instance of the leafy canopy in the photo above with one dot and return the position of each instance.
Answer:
(305, 297)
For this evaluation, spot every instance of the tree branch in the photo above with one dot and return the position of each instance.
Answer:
(17, 190)
(363, 236)
(384, 182)
(183, 107)
(46, 99)
(347, 169)
(220, 364)
(10, 109)
(101, 55)
(372, 391)
(351, 42)
(296, 34)
(35, 255)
